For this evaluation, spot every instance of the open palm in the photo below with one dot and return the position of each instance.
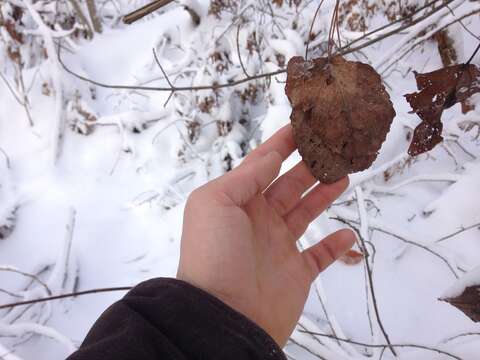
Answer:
(240, 233)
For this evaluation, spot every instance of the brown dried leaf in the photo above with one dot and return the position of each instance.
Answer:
(439, 90)
(352, 257)
(341, 115)
(468, 302)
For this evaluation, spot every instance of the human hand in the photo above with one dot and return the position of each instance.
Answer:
(240, 232)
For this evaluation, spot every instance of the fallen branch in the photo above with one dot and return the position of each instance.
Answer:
(7, 159)
(174, 88)
(145, 10)
(31, 276)
(462, 229)
(415, 346)
(342, 51)
(64, 296)
(451, 338)
(363, 231)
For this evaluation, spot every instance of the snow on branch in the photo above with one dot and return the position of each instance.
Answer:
(48, 35)
(21, 329)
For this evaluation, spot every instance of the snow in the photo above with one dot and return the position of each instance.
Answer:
(108, 212)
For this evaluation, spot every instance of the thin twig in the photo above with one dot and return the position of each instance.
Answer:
(7, 159)
(370, 281)
(462, 229)
(423, 347)
(63, 296)
(463, 25)
(166, 77)
(426, 37)
(407, 17)
(145, 10)
(456, 142)
(342, 51)
(311, 29)
(451, 338)
(31, 276)
(238, 51)
(307, 349)
(424, 247)
(175, 88)
(11, 294)
(474, 53)
(15, 95)
(364, 233)
(399, 29)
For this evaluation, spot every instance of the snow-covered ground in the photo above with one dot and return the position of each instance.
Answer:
(107, 211)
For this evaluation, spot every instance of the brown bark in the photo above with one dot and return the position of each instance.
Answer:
(82, 17)
(92, 11)
(145, 10)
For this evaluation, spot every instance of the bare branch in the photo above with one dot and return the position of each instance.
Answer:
(386, 26)
(307, 349)
(361, 233)
(451, 338)
(462, 229)
(238, 51)
(405, 240)
(427, 36)
(145, 10)
(342, 51)
(64, 296)
(83, 19)
(31, 276)
(175, 88)
(415, 346)
(92, 11)
(166, 77)
(7, 159)
(311, 29)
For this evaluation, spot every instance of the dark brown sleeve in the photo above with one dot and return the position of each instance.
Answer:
(168, 319)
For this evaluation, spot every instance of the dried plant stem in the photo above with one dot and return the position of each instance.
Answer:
(28, 275)
(83, 19)
(145, 10)
(311, 29)
(92, 11)
(381, 346)
(451, 338)
(403, 239)
(370, 285)
(171, 89)
(342, 51)
(463, 229)
(7, 159)
(63, 296)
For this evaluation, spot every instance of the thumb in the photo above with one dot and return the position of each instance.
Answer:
(249, 179)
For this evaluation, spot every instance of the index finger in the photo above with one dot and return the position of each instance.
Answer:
(281, 142)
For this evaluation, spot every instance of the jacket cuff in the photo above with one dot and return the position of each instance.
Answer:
(199, 324)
